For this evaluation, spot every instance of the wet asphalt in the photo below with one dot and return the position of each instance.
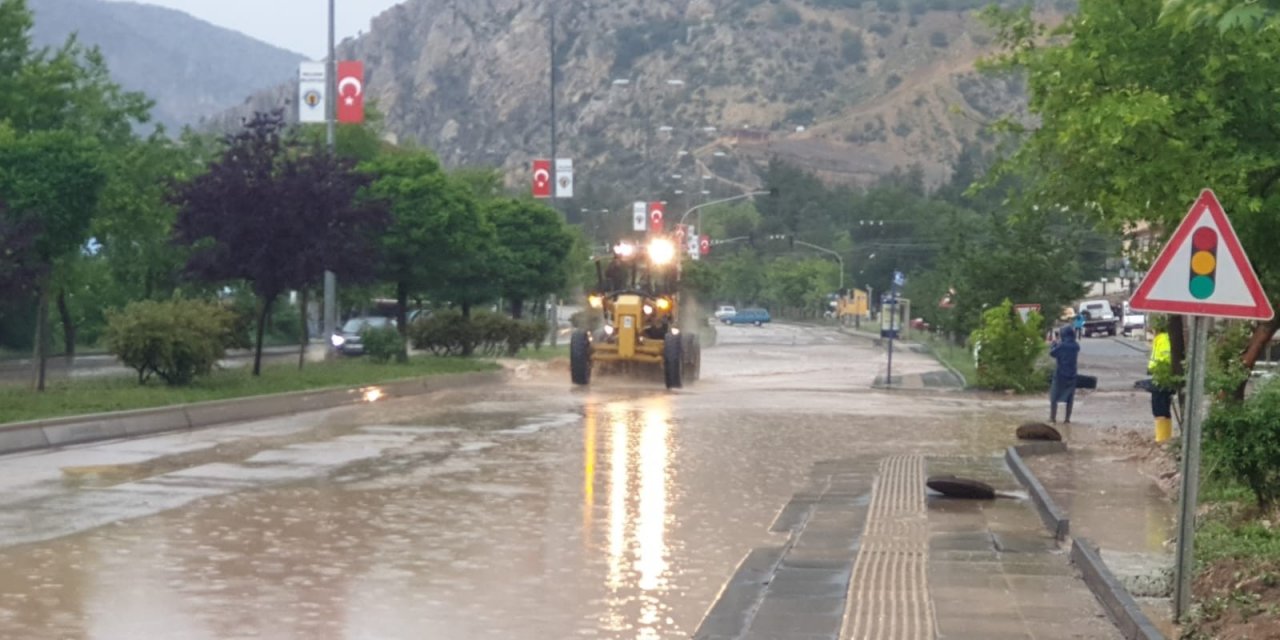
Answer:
(524, 510)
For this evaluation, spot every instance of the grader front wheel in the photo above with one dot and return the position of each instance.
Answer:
(580, 357)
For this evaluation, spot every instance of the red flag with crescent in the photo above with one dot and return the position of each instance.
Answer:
(350, 92)
(656, 214)
(542, 178)
(704, 245)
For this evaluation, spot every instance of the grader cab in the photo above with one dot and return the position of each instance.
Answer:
(638, 297)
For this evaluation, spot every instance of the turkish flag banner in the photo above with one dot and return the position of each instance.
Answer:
(656, 214)
(681, 236)
(542, 178)
(704, 245)
(350, 92)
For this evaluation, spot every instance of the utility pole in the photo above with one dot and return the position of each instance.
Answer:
(551, 29)
(331, 108)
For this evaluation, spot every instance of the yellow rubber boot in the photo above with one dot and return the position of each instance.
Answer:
(1164, 429)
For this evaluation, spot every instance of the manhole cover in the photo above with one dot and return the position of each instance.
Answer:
(956, 487)
(1038, 431)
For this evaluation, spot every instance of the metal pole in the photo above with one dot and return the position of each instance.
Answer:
(1185, 566)
(893, 315)
(331, 107)
(551, 29)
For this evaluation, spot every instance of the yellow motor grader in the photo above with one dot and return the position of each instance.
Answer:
(639, 299)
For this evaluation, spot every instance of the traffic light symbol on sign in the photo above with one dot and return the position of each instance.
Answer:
(1204, 263)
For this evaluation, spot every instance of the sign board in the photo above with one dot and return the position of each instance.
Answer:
(888, 321)
(899, 279)
(564, 178)
(542, 178)
(692, 234)
(639, 216)
(311, 92)
(1203, 271)
(1024, 310)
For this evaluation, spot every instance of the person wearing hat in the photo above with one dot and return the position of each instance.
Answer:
(1067, 353)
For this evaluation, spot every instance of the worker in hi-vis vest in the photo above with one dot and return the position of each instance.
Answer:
(1161, 397)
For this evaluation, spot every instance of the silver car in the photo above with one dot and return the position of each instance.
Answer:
(348, 342)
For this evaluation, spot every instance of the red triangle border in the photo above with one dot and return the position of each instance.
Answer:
(1260, 310)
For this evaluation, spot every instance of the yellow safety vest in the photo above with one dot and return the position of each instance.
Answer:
(1160, 351)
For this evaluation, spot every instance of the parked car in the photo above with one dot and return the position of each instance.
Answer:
(724, 311)
(748, 316)
(1099, 317)
(348, 342)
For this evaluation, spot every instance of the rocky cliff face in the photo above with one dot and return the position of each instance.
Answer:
(648, 89)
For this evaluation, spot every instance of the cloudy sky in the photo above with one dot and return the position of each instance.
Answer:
(297, 25)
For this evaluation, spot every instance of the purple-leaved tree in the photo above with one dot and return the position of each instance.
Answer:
(277, 215)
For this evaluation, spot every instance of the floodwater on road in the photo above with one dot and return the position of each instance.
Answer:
(527, 510)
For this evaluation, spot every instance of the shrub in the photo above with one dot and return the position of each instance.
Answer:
(176, 340)
(445, 333)
(1244, 439)
(1007, 350)
(487, 333)
(382, 344)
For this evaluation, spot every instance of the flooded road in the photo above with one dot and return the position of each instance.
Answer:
(527, 510)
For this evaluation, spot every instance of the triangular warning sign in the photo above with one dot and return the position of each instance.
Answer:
(1203, 270)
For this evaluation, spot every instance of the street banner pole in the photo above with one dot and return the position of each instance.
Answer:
(331, 110)
(1189, 496)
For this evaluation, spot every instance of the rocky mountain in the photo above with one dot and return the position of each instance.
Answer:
(191, 68)
(650, 89)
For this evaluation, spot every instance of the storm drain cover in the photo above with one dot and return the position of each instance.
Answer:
(956, 487)
(1038, 431)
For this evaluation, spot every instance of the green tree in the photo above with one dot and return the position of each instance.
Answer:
(51, 179)
(534, 248)
(1138, 114)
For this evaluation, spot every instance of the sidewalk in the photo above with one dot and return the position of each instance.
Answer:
(871, 556)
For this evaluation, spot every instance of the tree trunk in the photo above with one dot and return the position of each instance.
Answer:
(1262, 335)
(263, 314)
(40, 357)
(402, 320)
(517, 308)
(68, 329)
(466, 310)
(1177, 343)
(305, 300)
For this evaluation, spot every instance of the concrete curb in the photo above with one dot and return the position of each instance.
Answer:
(1126, 343)
(1053, 516)
(58, 432)
(1121, 607)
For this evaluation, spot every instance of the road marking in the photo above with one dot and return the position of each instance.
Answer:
(889, 593)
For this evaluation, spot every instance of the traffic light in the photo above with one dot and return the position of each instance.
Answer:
(1204, 263)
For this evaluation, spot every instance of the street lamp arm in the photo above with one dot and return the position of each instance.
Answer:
(723, 201)
(839, 258)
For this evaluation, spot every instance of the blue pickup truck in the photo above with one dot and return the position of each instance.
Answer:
(748, 316)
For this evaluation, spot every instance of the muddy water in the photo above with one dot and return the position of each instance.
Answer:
(529, 511)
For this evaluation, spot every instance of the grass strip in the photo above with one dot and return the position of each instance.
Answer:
(121, 393)
(955, 356)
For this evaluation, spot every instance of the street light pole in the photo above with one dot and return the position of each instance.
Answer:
(742, 196)
(331, 107)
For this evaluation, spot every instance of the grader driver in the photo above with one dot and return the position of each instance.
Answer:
(638, 296)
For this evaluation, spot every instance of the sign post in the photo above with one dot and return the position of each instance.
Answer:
(1203, 272)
